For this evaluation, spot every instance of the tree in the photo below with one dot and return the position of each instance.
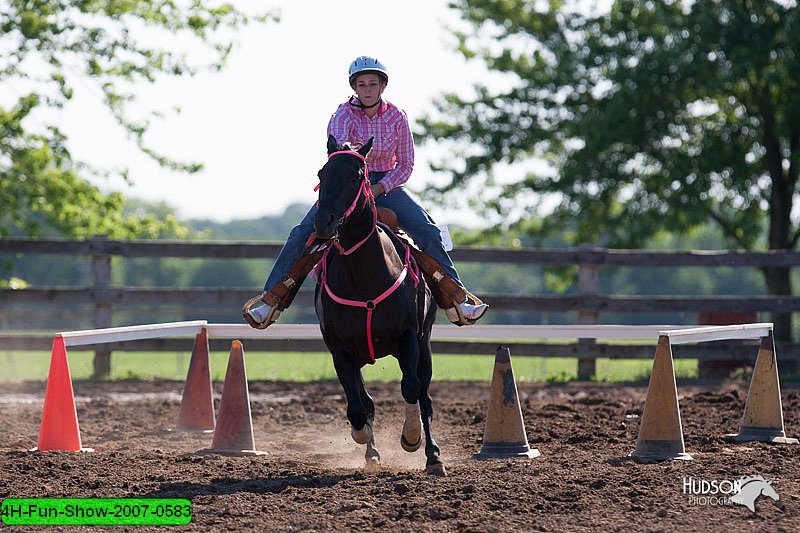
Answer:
(47, 46)
(657, 115)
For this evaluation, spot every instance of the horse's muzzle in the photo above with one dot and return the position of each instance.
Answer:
(326, 225)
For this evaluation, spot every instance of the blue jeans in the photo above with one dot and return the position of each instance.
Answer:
(410, 215)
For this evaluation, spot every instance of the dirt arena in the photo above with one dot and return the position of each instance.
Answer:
(312, 478)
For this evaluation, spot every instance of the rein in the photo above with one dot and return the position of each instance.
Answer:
(363, 190)
(409, 265)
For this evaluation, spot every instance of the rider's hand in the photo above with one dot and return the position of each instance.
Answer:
(377, 189)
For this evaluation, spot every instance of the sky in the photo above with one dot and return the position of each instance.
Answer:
(259, 125)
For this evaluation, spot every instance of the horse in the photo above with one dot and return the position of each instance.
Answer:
(751, 488)
(371, 301)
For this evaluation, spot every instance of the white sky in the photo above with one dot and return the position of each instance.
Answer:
(259, 125)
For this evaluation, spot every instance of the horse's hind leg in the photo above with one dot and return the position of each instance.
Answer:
(434, 463)
(372, 456)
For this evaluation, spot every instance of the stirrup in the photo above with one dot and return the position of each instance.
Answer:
(273, 315)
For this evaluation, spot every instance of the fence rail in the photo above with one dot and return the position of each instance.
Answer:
(503, 302)
(258, 250)
(588, 303)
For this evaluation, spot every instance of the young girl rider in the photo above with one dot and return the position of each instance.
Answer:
(390, 162)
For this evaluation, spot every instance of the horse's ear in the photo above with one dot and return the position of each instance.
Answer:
(332, 146)
(365, 149)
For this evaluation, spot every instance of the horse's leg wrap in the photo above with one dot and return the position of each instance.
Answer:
(281, 295)
(363, 435)
(411, 437)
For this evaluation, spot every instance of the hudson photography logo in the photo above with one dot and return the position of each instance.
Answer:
(743, 491)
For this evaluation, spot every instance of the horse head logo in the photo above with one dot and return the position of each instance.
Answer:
(751, 488)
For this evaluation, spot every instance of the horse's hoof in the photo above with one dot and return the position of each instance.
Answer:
(363, 435)
(436, 469)
(373, 464)
(407, 446)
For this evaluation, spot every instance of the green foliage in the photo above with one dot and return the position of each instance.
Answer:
(49, 47)
(13, 283)
(655, 116)
(275, 227)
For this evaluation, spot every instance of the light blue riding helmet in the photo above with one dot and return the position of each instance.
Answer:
(364, 64)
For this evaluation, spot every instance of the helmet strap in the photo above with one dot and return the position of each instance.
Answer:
(355, 102)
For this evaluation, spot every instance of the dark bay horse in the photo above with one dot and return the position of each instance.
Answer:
(372, 302)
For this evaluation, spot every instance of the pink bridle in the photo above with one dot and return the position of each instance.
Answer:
(409, 264)
(363, 190)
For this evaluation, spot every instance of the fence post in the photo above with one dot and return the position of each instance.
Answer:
(101, 274)
(588, 284)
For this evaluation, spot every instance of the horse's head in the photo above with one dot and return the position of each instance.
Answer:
(342, 181)
(750, 488)
(768, 491)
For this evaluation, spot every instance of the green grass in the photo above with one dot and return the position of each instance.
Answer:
(24, 366)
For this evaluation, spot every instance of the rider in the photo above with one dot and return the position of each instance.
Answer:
(390, 162)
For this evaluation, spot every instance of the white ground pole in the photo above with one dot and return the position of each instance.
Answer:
(130, 333)
(717, 333)
(676, 334)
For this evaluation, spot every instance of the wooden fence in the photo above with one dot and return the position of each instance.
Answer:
(589, 303)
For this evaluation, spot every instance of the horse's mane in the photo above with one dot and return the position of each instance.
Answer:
(745, 480)
(349, 147)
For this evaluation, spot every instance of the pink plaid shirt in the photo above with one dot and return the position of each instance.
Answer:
(393, 147)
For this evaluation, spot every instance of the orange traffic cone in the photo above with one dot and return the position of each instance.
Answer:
(234, 432)
(197, 403)
(504, 434)
(661, 432)
(59, 429)
(763, 413)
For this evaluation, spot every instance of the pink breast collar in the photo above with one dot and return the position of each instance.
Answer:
(370, 305)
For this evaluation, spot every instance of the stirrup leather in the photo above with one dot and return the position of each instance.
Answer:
(281, 295)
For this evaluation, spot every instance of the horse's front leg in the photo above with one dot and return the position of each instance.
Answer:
(411, 436)
(360, 407)
(350, 377)
(434, 463)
